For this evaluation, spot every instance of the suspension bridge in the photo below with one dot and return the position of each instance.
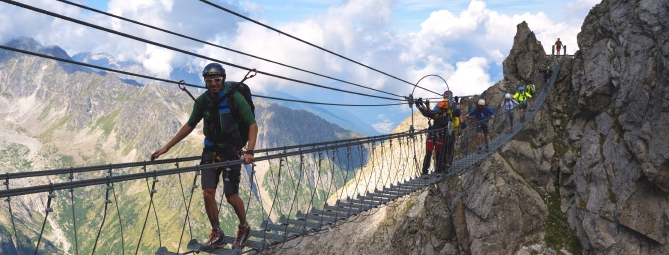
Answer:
(385, 168)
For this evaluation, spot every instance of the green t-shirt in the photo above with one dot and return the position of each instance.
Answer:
(206, 101)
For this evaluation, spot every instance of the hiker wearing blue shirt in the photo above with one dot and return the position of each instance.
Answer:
(507, 106)
(483, 115)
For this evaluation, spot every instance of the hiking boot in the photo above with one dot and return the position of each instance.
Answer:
(243, 233)
(487, 149)
(532, 109)
(439, 175)
(478, 151)
(424, 176)
(216, 240)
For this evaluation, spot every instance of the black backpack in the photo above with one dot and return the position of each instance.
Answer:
(246, 92)
(213, 122)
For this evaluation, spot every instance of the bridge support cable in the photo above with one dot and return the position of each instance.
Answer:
(56, 15)
(74, 217)
(118, 213)
(152, 191)
(183, 196)
(104, 213)
(11, 216)
(46, 217)
(308, 43)
(187, 218)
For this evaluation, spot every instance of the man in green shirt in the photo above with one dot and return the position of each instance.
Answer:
(222, 142)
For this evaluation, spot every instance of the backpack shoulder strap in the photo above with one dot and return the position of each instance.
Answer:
(233, 109)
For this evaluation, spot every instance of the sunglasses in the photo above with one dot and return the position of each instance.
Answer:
(210, 81)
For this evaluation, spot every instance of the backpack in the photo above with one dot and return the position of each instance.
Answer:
(530, 88)
(482, 109)
(218, 131)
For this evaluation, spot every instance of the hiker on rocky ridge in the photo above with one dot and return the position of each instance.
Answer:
(483, 115)
(558, 46)
(507, 106)
(442, 143)
(223, 142)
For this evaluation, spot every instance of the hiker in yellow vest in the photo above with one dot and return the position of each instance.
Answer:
(521, 96)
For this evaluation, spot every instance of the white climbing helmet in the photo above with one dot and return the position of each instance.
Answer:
(507, 96)
(481, 102)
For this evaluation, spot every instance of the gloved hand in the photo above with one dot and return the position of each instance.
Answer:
(457, 100)
(427, 103)
(419, 102)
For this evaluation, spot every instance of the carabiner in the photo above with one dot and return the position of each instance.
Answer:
(247, 74)
(182, 85)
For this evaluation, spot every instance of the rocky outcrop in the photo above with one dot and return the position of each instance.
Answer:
(526, 57)
(589, 174)
(618, 199)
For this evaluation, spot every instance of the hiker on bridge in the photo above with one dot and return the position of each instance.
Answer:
(442, 143)
(531, 89)
(547, 75)
(558, 46)
(483, 115)
(223, 114)
(507, 106)
(522, 97)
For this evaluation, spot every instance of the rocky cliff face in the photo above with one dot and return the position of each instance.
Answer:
(616, 192)
(588, 175)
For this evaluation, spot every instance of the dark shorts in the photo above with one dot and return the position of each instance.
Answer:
(482, 127)
(522, 105)
(210, 177)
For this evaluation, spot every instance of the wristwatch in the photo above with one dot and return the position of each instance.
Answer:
(249, 152)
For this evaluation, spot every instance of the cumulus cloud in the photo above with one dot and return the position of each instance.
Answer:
(383, 126)
(459, 46)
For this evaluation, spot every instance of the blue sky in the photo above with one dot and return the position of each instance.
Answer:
(463, 41)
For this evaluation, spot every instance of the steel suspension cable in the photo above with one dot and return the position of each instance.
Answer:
(218, 46)
(313, 190)
(308, 43)
(74, 218)
(183, 195)
(104, 215)
(11, 215)
(192, 191)
(155, 213)
(46, 216)
(152, 191)
(176, 82)
(120, 222)
(184, 51)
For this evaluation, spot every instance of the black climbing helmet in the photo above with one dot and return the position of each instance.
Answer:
(213, 69)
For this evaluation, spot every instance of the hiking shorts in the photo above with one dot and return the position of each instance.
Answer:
(522, 105)
(211, 176)
(482, 127)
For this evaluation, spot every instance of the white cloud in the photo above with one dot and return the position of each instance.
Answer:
(158, 61)
(460, 47)
(384, 126)
(470, 77)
